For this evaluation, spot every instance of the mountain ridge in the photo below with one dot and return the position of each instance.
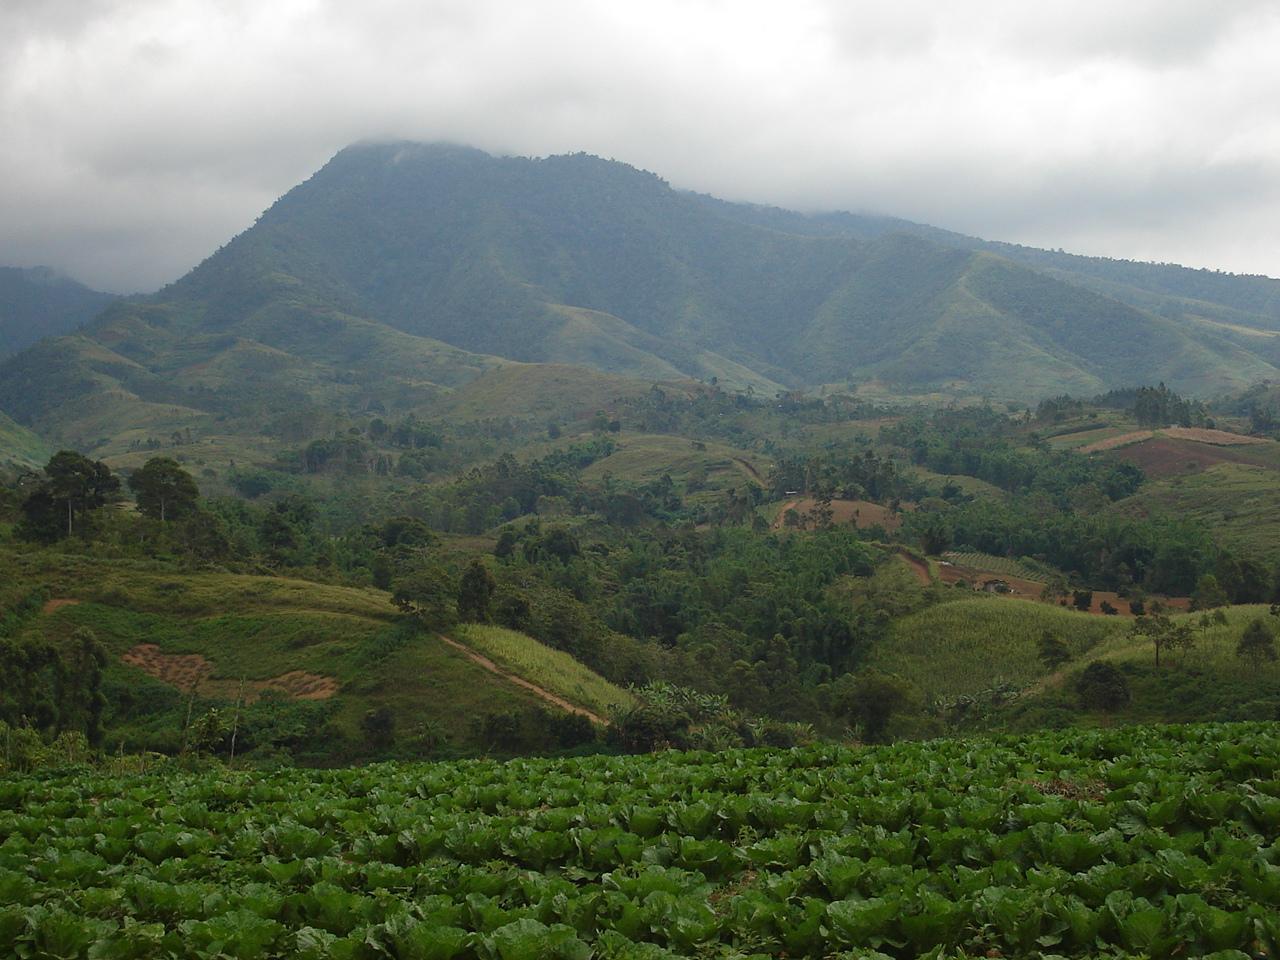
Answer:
(400, 271)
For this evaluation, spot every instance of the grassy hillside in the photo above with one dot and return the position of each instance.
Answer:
(20, 448)
(987, 649)
(698, 466)
(314, 658)
(553, 670)
(963, 647)
(1240, 502)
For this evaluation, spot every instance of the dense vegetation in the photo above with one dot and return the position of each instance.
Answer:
(1139, 842)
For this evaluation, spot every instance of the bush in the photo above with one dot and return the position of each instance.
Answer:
(1102, 687)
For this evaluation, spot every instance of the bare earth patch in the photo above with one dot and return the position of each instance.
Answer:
(57, 604)
(860, 513)
(1217, 437)
(191, 671)
(1122, 440)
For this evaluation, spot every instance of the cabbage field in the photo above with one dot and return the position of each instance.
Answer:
(1158, 842)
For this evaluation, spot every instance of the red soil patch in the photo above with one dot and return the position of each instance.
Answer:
(188, 671)
(1022, 589)
(303, 686)
(58, 604)
(181, 670)
(1162, 457)
(1123, 439)
(1218, 437)
(860, 513)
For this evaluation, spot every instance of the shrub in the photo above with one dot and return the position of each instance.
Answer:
(1102, 687)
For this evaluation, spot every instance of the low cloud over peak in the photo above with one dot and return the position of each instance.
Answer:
(140, 135)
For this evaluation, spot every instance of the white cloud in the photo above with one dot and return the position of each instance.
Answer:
(140, 135)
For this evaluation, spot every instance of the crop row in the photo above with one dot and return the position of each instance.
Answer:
(1156, 842)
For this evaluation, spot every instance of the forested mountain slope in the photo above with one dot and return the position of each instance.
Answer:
(400, 271)
(37, 302)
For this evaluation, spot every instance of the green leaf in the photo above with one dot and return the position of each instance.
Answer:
(859, 923)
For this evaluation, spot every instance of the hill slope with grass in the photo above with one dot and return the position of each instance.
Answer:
(20, 449)
(324, 672)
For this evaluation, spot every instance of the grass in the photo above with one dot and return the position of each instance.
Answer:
(1239, 502)
(970, 486)
(963, 647)
(641, 458)
(19, 447)
(553, 670)
(258, 628)
(989, 563)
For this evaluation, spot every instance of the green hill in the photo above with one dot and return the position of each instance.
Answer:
(313, 660)
(400, 272)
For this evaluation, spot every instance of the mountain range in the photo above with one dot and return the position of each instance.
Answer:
(401, 271)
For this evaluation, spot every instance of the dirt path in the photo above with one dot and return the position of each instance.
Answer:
(789, 505)
(746, 465)
(918, 566)
(57, 604)
(540, 692)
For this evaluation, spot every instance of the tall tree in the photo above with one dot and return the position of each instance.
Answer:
(475, 593)
(73, 485)
(163, 489)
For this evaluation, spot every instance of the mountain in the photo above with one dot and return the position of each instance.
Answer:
(37, 302)
(399, 272)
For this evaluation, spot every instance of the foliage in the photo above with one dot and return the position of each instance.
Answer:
(1102, 686)
(163, 489)
(73, 486)
(1116, 842)
(429, 594)
(1258, 642)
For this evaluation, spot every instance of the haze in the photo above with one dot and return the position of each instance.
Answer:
(138, 136)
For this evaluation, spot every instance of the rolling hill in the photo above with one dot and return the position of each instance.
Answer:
(311, 659)
(400, 272)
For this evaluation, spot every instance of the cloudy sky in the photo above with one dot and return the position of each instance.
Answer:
(138, 135)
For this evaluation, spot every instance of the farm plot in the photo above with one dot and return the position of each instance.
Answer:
(1153, 842)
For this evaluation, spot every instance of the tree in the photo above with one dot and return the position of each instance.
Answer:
(475, 593)
(428, 594)
(1163, 633)
(1258, 643)
(1053, 650)
(1102, 687)
(163, 489)
(73, 485)
(1208, 594)
(79, 683)
(1083, 600)
(872, 698)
